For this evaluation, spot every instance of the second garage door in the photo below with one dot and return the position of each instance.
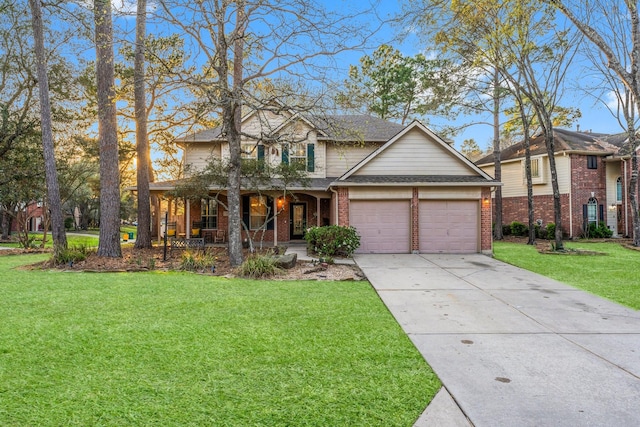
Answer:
(383, 225)
(449, 226)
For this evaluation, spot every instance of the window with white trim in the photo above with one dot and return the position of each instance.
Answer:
(592, 211)
(209, 213)
(299, 154)
(537, 171)
(257, 212)
(619, 189)
(535, 168)
(249, 150)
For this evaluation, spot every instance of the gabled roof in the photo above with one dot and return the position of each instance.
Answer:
(564, 141)
(459, 173)
(339, 128)
(357, 127)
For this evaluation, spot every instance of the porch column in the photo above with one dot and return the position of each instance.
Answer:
(317, 211)
(188, 218)
(486, 217)
(275, 222)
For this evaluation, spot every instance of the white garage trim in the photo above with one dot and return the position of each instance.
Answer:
(384, 226)
(449, 226)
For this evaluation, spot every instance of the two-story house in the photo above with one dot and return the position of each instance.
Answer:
(593, 172)
(402, 187)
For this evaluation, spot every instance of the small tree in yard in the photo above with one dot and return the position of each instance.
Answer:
(259, 177)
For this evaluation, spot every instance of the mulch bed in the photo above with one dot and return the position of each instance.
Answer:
(134, 260)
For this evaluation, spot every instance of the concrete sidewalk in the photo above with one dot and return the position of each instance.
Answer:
(511, 347)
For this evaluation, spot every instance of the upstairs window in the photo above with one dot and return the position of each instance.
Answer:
(592, 162)
(251, 151)
(537, 171)
(301, 154)
(535, 168)
(619, 189)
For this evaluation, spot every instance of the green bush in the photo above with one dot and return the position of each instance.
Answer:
(551, 231)
(599, 231)
(539, 232)
(68, 223)
(259, 266)
(197, 261)
(72, 254)
(332, 240)
(506, 229)
(519, 229)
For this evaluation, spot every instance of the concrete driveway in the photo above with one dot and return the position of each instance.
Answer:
(511, 347)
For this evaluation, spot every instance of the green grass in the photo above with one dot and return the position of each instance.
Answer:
(177, 349)
(72, 240)
(613, 276)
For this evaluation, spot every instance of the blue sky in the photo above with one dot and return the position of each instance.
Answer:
(595, 116)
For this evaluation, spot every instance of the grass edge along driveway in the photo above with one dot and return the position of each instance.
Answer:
(182, 349)
(613, 275)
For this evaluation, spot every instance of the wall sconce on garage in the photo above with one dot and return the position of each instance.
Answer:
(280, 202)
(485, 201)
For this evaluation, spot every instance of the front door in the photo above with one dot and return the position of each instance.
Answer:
(619, 221)
(298, 220)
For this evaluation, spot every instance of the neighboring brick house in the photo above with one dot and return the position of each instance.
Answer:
(402, 187)
(593, 172)
(31, 215)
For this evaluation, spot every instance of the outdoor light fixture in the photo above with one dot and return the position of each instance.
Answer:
(485, 200)
(613, 207)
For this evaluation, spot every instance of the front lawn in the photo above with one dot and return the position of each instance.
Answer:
(72, 240)
(614, 275)
(166, 349)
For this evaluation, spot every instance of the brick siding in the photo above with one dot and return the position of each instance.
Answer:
(415, 221)
(486, 237)
(343, 206)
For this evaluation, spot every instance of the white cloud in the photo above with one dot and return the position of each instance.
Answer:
(123, 8)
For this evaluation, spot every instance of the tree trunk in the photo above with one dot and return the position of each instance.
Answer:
(233, 120)
(527, 168)
(530, 207)
(633, 185)
(109, 244)
(557, 207)
(51, 173)
(6, 225)
(143, 239)
(497, 162)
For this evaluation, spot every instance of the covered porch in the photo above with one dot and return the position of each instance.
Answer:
(270, 216)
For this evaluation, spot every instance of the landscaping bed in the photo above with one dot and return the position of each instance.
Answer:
(153, 259)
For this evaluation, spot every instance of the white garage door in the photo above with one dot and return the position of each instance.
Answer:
(383, 225)
(449, 226)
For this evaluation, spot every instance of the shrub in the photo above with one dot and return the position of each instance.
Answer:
(600, 231)
(68, 223)
(197, 261)
(72, 254)
(332, 240)
(259, 266)
(551, 231)
(538, 231)
(519, 229)
(506, 229)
